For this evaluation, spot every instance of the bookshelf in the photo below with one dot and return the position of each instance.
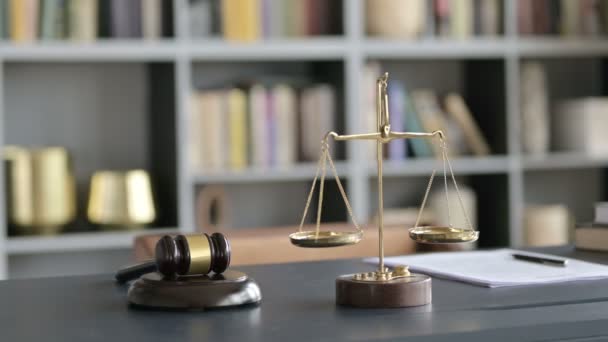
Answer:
(168, 69)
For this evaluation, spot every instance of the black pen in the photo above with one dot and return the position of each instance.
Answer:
(541, 260)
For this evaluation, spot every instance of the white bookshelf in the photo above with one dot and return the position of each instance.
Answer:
(182, 56)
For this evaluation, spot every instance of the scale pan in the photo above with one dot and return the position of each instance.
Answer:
(312, 239)
(442, 234)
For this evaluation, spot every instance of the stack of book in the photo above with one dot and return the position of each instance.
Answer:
(249, 20)
(594, 236)
(82, 20)
(458, 19)
(259, 126)
(420, 110)
(563, 17)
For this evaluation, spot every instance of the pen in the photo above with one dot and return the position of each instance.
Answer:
(541, 260)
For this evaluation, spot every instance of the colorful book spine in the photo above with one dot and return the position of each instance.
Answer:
(237, 118)
(151, 19)
(259, 130)
(285, 118)
(271, 130)
(420, 147)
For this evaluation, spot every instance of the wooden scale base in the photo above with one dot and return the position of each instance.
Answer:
(413, 290)
(231, 288)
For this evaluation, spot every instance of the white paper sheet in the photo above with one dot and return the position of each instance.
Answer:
(496, 268)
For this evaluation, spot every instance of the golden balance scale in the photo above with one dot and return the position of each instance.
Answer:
(383, 288)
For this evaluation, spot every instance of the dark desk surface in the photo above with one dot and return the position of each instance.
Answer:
(299, 305)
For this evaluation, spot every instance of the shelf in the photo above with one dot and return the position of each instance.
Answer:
(109, 50)
(461, 166)
(435, 48)
(330, 48)
(76, 241)
(563, 160)
(299, 172)
(321, 48)
(559, 47)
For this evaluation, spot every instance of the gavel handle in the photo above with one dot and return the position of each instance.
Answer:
(135, 271)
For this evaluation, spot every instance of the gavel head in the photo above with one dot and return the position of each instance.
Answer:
(192, 254)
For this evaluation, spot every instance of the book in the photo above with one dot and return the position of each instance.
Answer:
(32, 8)
(216, 129)
(300, 17)
(601, 213)
(534, 108)
(258, 108)
(396, 18)
(397, 149)
(590, 17)
(83, 16)
(53, 23)
(591, 236)
(461, 19)
(135, 20)
(290, 20)
(241, 20)
(284, 101)
(196, 134)
(200, 18)
(422, 148)
(236, 102)
(120, 16)
(151, 19)
(429, 113)
(570, 17)
(490, 17)
(442, 18)
(317, 109)
(17, 15)
(541, 17)
(278, 20)
(271, 129)
(458, 110)
(524, 17)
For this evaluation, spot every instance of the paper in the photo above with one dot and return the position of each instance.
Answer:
(496, 268)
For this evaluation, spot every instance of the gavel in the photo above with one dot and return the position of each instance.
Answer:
(183, 255)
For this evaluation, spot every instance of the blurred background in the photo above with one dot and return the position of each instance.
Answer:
(125, 117)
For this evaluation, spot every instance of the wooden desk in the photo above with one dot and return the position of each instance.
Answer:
(299, 305)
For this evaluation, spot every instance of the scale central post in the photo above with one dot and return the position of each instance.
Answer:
(384, 135)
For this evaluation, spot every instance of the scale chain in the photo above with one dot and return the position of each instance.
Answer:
(426, 195)
(321, 188)
(445, 180)
(342, 192)
(446, 160)
(321, 168)
(466, 216)
(312, 190)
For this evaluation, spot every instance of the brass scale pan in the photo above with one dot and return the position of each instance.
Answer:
(423, 234)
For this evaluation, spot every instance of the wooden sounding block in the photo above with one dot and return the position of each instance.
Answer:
(231, 288)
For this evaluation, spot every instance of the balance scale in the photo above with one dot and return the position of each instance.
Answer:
(384, 288)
